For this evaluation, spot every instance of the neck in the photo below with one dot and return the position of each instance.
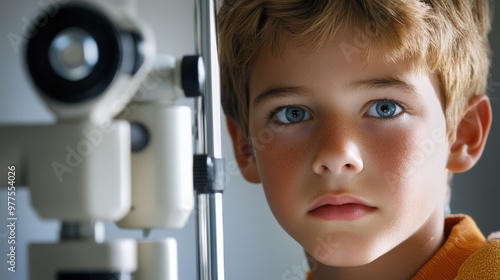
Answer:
(402, 262)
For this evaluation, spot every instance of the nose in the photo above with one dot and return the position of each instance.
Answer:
(337, 153)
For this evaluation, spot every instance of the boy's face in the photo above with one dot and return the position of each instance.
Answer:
(352, 156)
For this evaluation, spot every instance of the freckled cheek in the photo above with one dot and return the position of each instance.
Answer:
(393, 153)
(410, 162)
(280, 165)
(390, 152)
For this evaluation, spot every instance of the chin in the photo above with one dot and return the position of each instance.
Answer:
(344, 261)
(343, 246)
(335, 255)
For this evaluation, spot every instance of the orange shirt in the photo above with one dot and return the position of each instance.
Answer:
(463, 238)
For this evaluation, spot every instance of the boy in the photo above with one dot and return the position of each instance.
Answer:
(353, 115)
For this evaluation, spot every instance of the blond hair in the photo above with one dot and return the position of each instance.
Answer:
(446, 37)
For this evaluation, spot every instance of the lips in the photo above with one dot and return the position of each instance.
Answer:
(340, 208)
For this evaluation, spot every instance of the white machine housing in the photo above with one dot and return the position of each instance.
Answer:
(162, 174)
(111, 102)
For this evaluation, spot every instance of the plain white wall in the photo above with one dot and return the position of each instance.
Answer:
(255, 246)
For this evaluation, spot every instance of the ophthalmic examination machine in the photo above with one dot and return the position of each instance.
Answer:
(120, 150)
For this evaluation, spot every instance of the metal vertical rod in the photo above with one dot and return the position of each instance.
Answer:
(207, 47)
(204, 266)
(208, 141)
(210, 257)
(199, 135)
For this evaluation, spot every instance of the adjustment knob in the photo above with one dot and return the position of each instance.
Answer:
(193, 75)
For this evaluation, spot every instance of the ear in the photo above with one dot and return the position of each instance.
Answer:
(470, 135)
(243, 152)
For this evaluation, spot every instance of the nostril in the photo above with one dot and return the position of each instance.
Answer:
(324, 168)
(338, 160)
(321, 169)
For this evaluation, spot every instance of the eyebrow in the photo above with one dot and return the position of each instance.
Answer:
(275, 92)
(385, 83)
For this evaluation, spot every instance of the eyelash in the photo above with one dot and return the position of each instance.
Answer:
(271, 118)
(398, 103)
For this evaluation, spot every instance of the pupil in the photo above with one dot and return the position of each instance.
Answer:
(386, 108)
(294, 114)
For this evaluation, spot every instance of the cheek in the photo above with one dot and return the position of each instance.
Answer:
(280, 167)
(412, 161)
(391, 153)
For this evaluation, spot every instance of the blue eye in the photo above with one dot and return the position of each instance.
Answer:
(384, 109)
(291, 114)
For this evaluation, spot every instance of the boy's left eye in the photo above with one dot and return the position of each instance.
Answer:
(384, 109)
